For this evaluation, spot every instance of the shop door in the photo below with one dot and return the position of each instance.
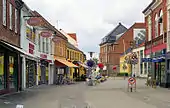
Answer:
(30, 72)
(43, 74)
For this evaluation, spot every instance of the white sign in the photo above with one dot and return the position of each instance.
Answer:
(20, 106)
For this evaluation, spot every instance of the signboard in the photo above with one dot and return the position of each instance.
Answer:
(131, 80)
(56, 39)
(43, 56)
(34, 21)
(45, 34)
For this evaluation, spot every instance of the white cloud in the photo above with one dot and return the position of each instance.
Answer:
(90, 19)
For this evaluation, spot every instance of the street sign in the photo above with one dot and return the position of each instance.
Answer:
(131, 80)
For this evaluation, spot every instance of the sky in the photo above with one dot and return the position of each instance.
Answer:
(91, 20)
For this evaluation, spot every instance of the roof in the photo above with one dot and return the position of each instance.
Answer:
(111, 36)
(153, 1)
(73, 35)
(69, 45)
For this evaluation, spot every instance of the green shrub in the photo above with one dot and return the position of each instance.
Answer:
(122, 74)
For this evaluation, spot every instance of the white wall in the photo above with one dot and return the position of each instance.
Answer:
(137, 68)
(23, 39)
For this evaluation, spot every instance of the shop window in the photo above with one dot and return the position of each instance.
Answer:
(145, 68)
(141, 68)
(2, 73)
(11, 72)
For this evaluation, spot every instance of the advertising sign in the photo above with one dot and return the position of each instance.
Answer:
(34, 21)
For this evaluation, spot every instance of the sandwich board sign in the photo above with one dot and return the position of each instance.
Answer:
(20, 106)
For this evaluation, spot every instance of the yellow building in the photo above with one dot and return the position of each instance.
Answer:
(75, 56)
(124, 67)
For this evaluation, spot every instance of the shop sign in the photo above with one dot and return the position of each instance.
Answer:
(45, 34)
(56, 39)
(43, 56)
(34, 21)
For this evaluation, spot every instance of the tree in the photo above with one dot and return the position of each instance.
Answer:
(95, 60)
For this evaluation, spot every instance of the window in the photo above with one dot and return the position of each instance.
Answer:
(68, 54)
(161, 23)
(4, 12)
(141, 54)
(31, 34)
(11, 72)
(47, 46)
(10, 16)
(145, 68)
(2, 74)
(39, 43)
(43, 41)
(51, 46)
(141, 68)
(16, 21)
(156, 26)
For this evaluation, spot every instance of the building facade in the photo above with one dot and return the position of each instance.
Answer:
(10, 74)
(156, 39)
(76, 56)
(106, 46)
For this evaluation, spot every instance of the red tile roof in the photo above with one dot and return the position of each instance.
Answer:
(73, 35)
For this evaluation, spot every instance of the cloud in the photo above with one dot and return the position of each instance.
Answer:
(90, 19)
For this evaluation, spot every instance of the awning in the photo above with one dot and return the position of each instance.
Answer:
(65, 62)
(18, 49)
(14, 47)
(83, 65)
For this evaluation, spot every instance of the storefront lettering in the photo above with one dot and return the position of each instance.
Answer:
(43, 56)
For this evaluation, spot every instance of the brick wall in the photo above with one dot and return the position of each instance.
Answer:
(5, 33)
(155, 11)
(114, 55)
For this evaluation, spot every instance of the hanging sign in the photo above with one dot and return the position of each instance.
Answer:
(46, 34)
(56, 39)
(34, 21)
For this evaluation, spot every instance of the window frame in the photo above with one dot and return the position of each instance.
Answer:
(10, 16)
(4, 13)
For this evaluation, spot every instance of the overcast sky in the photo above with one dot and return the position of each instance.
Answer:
(90, 19)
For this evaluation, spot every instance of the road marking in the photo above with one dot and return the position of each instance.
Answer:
(20, 106)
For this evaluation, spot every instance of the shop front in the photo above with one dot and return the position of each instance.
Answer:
(63, 68)
(156, 66)
(9, 68)
(44, 69)
(31, 70)
(168, 70)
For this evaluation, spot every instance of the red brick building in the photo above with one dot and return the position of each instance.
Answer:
(118, 47)
(156, 35)
(9, 45)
